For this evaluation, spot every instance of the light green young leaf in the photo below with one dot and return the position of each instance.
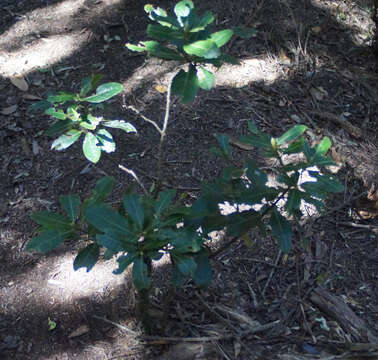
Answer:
(104, 92)
(222, 37)
(207, 80)
(183, 8)
(66, 140)
(206, 49)
(61, 97)
(292, 134)
(58, 114)
(71, 205)
(91, 148)
(323, 146)
(136, 48)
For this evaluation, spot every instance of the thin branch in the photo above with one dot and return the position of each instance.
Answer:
(121, 327)
(130, 107)
(135, 176)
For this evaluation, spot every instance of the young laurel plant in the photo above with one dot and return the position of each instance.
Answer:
(74, 117)
(186, 37)
(140, 231)
(257, 203)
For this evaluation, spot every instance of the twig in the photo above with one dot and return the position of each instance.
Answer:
(119, 326)
(361, 226)
(135, 176)
(130, 107)
(271, 274)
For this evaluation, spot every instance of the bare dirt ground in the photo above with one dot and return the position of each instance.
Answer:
(309, 63)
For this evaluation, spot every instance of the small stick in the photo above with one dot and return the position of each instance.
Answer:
(119, 326)
(135, 176)
(271, 273)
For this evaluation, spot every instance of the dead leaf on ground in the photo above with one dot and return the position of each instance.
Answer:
(318, 93)
(31, 97)
(9, 110)
(20, 83)
(189, 351)
(79, 331)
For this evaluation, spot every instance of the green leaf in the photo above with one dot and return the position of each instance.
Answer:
(72, 113)
(88, 84)
(164, 201)
(136, 48)
(59, 127)
(229, 59)
(244, 32)
(124, 261)
(224, 143)
(162, 52)
(260, 140)
(186, 85)
(91, 148)
(91, 122)
(202, 22)
(109, 242)
(105, 141)
(253, 128)
(221, 37)
(330, 183)
(104, 187)
(48, 240)
(292, 134)
(120, 124)
(293, 201)
(240, 222)
(281, 230)
(255, 194)
(207, 79)
(183, 8)
(207, 49)
(50, 221)
(255, 174)
(66, 140)
(295, 147)
(134, 209)
(58, 114)
(186, 264)
(203, 273)
(163, 33)
(40, 105)
(61, 97)
(323, 146)
(141, 277)
(104, 92)
(71, 205)
(87, 257)
(104, 219)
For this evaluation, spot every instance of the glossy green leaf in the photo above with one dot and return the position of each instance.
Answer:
(164, 201)
(292, 134)
(71, 205)
(61, 97)
(162, 52)
(50, 220)
(105, 141)
(186, 85)
(59, 127)
(104, 219)
(133, 206)
(136, 48)
(87, 257)
(124, 261)
(141, 277)
(281, 230)
(91, 148)
(48, 240)
(207, 49)
(120, 124)
(88, 84)
(293, 201)
(224, 144)
(323, 146)
(66, 140)
(222, 37)
(203, 273)
(163, 33)
(261, 140)
(183, 8)
(241, 222)
(104, 92)
(207, 79)
(186, 264)
(73, 113)
(57, 114)
(202, 22)
(91, 122)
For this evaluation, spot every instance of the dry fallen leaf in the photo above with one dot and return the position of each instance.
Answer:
(316, 29)
(20, 83)
(161, 89)
(9, 110)
(31, 97)
(79, 331)
(318, 93)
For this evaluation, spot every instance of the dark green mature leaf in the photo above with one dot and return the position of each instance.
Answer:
(224, 143)
(110, 242)
(61, 97)
(186, 84)
(105, 219)
(48, 240)
(104, 92)
(293, 201)
(256, 193)
(240, 222)
(87, 257)
(203, 273)
(200, 23)
(255, 174)
(183, 8)
(120, 124)
(104, 187)
(91, 148)
(105, 141)
(253, 128)
(229, 59)
(163, 33)
(40, 105)
(329, 182)
(51, 221)
(162, 52)
(133, 206)
(124, 261)
(281, 230)
(88, 84)
(222, 37)
(59, 127)
(164, 201)
(260, 140)
(141, 277)
(244, 32)
(186, 264)
(71, 205)
(58, 114)
(292, 134)
(295, 147)
(207, 80)
(207, 49)
(66, 140)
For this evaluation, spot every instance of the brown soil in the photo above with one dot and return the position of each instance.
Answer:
(310, 63)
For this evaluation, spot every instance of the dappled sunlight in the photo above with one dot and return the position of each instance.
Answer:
(30, 43)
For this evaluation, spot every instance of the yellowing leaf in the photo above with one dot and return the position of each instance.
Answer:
(161, 89)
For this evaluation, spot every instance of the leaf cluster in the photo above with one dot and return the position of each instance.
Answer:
(74, 117)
